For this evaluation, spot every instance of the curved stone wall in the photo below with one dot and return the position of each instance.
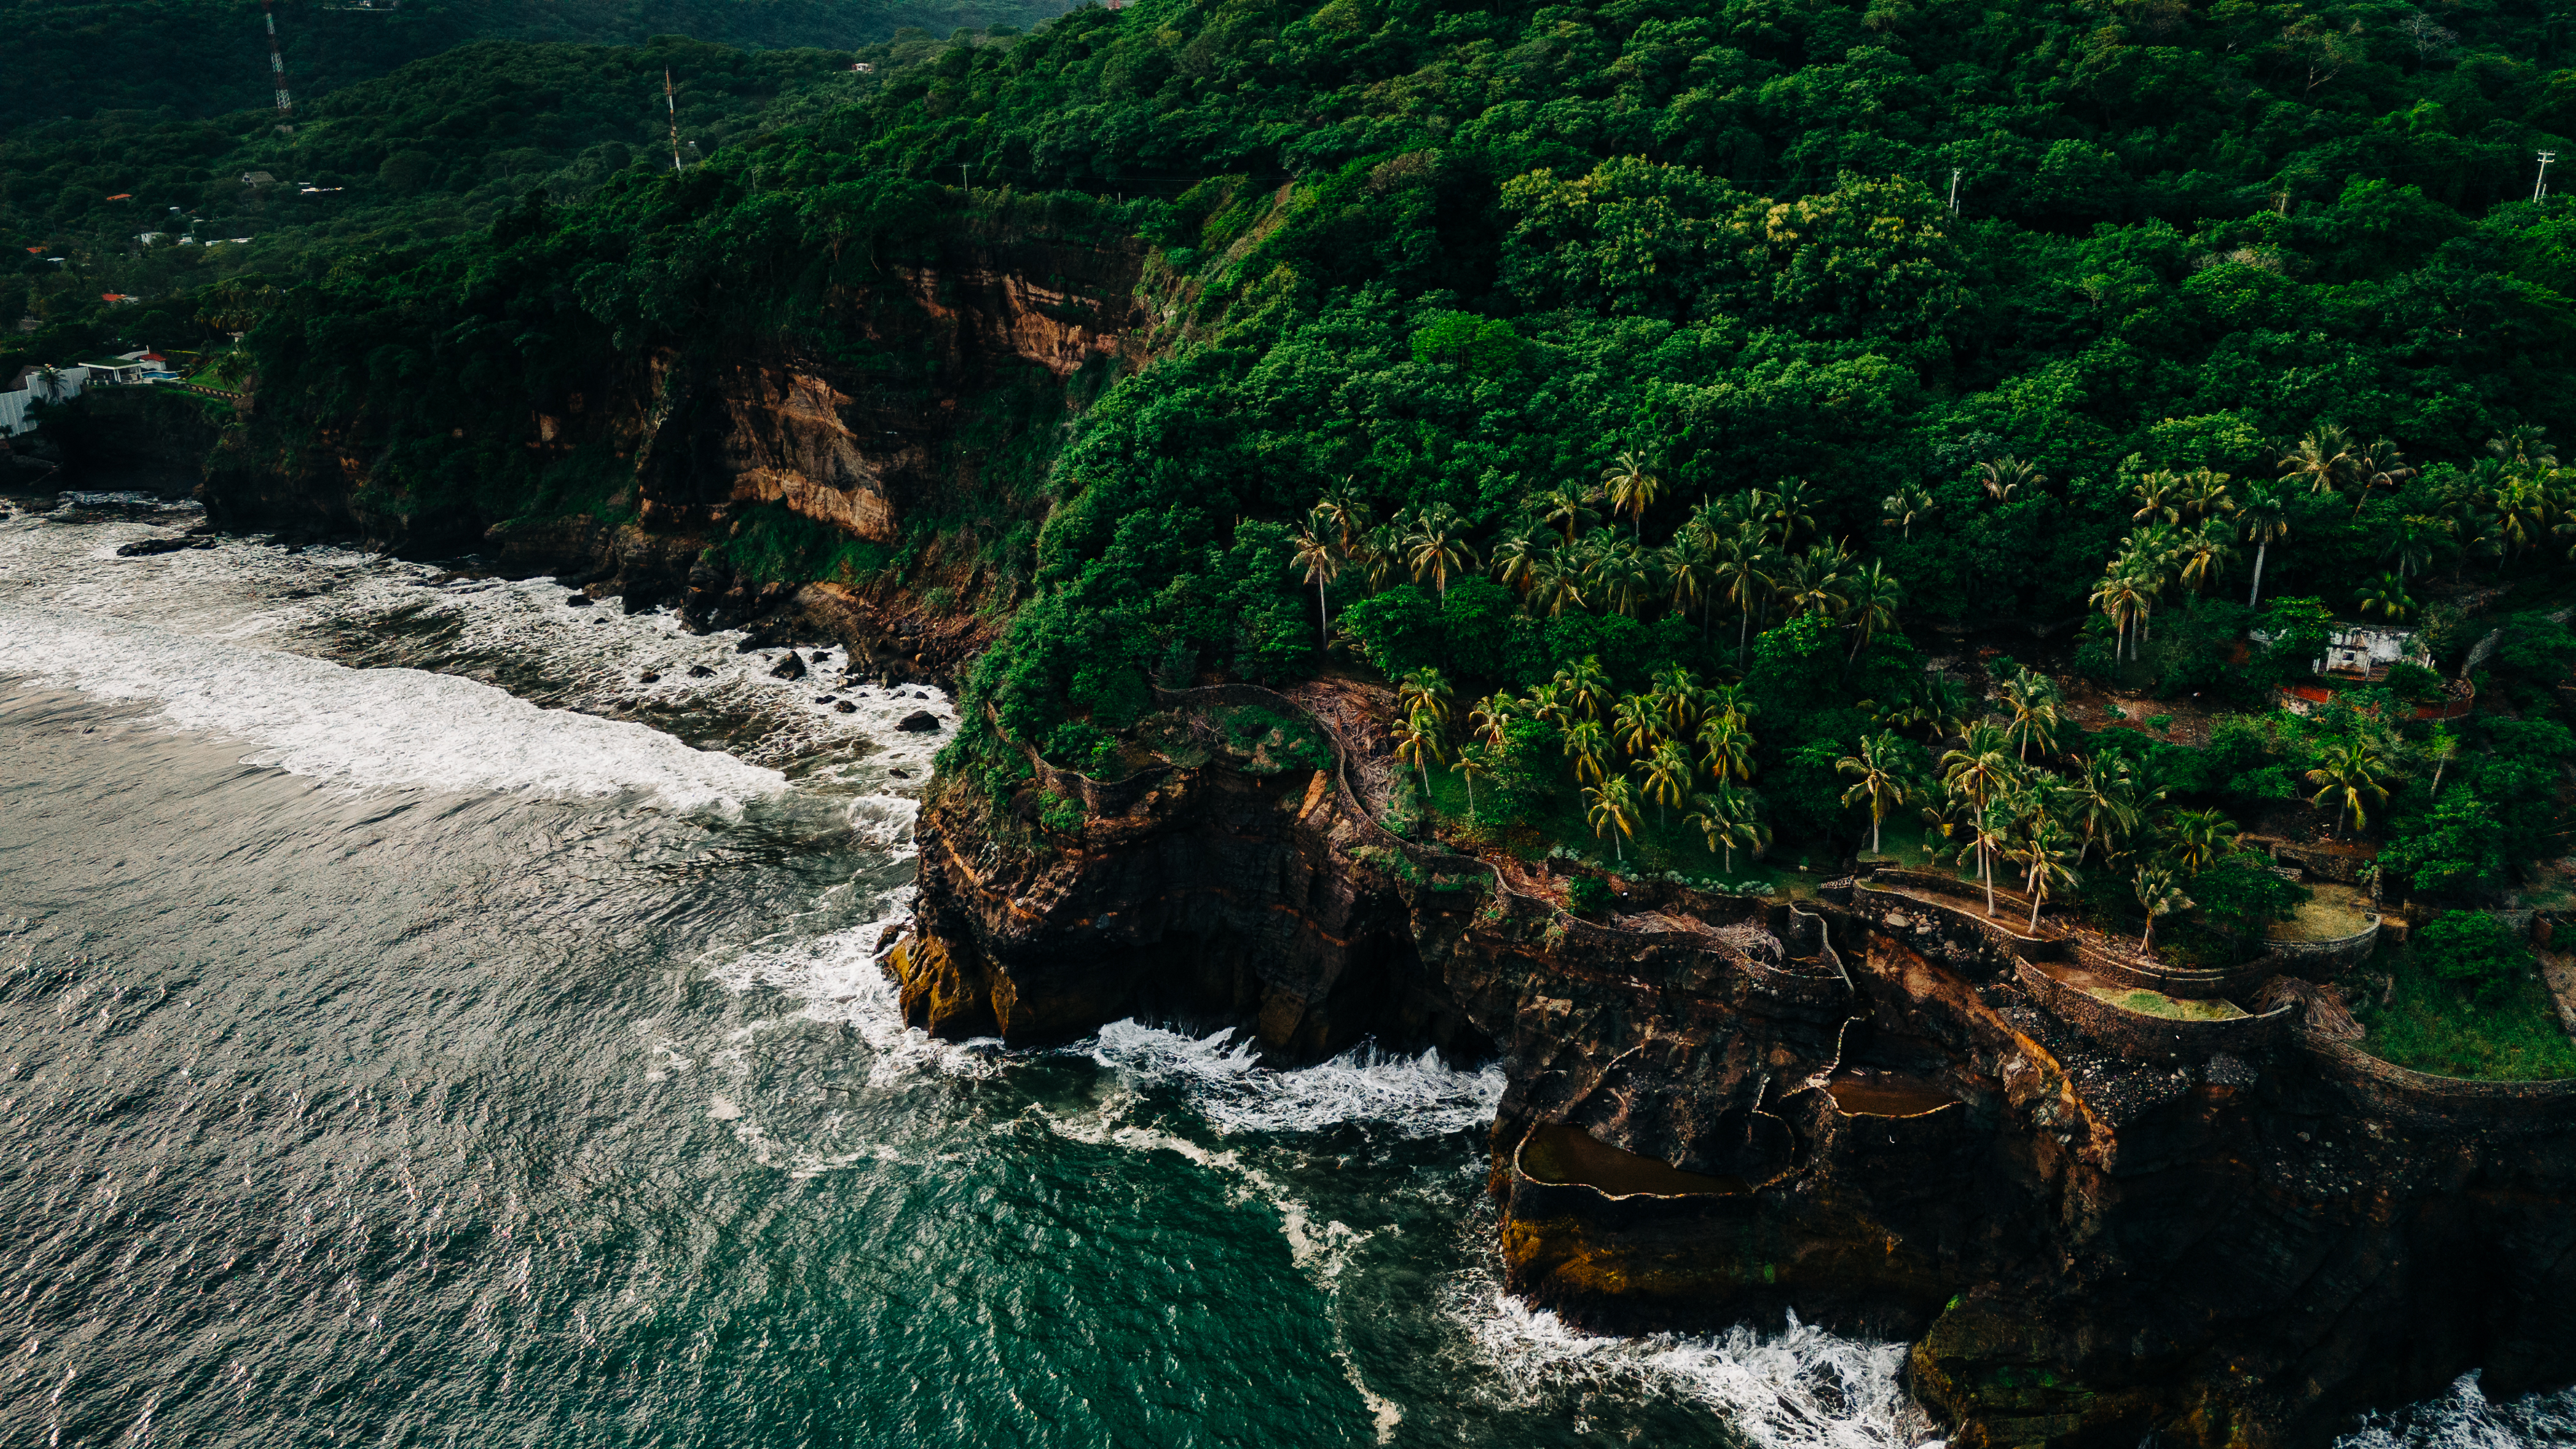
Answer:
(2141, 1037)
(2375, 1085)
(2300, 957)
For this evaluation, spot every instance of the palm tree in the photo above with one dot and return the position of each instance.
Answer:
(1588, 744)
(2441, 747)
(2411, 542)
(1556, 582)
(2042, 856)
(1567, 503)
(1727, 746)
(2002, 477)
(1550, 704)
(1637, 723)
(1632, 489)
(1815, 581)
(1420, 738)
(2387, 598)
(1345, 510)
(1435, 546)
(1679, 691)
(2156, 498)
(2265, 516)
(1474, 760)
(1491, 717)
(1611, 809)
(1875, 593)
(2321, 460)
(1989, 835)
(1880, 772)
(1515, 561)
(1587, 684)
(1624, 577)
(2349, 775)
(1786, 510)
(1744, 574)
(1689, 567)
(1667, 774)
(2200, 837)
(2100, 796)
(1727, 817)
(2206, 496)
(1424, 689)
(2157, 896)
(1378, 552)
(2033, 700)
(2206, 554)
(1978, 773)
(1904, 507)
(2123, 597)
(1321, 558)
(2377, 466)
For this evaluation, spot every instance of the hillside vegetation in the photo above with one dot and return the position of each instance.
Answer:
(1653, 389)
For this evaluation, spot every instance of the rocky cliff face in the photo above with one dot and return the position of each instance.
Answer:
(1854, 1109)
(939, 377)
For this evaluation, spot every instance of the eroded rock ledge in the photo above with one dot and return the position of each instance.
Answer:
(1868, 1110)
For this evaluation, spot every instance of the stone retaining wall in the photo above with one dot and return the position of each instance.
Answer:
(2141, 1037)
(2297, 958)
(2380, 1086)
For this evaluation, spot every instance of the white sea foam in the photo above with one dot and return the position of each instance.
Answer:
(524, 633)
(1797, 1388)
(398, 727)
(840, 976)
(2465, 1418)
(1418, 1096)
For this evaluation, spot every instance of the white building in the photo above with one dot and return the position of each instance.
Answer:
(33, 386)
(2357, 651)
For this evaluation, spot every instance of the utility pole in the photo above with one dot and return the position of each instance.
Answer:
(1954, 191)
(672, 104)
(277, 65)
(2539, 187)
(965, 174)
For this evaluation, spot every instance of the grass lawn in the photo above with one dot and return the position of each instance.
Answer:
(2332, 913)
(2156, 1003)
(2429, 1026)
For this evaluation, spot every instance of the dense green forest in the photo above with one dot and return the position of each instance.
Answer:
(1642, 380)
(198, 59)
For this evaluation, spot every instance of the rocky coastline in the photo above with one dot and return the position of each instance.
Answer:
(1870, 1108)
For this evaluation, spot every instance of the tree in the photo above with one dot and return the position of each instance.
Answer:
(2387, 598)
(2002, 477)
(1586, 684)
(1727, 745)
(1435, 547)
(1882, 774)
(1728, 817)
(2242, 894)
(2378, 465)
(1568, 504)
(2199, 837)
(2322, 460)
(2157, 896)
(1989, 835)
(1420, 738)
(2033, 700)
(1743, 567)
(1637, 723)
(1874, 596)
(2206, 496)
(1667, 774)
(1908, 505)
(1588, 746)
(1474, 761)
(1320, 557)
(2457, 845)
(1423, 689)
(2471, 950)
(1611, 809)
(2042, 856)
(1632, 488)
(2348, 777)
(2265, 516)
(1679, 693)
(1785, 511)
(2158, 498)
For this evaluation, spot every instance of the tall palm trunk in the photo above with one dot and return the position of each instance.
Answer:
(1323, 618)
(2262, 546)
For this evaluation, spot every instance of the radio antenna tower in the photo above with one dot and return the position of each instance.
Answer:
(673, 106)
(277, 64)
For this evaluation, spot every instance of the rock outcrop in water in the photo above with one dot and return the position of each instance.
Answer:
(1876, 1109)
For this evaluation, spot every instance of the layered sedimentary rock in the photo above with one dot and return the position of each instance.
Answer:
(1859, 1109)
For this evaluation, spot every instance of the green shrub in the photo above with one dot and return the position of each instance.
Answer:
(1079, 746)
(1590, 894)
(2473, 951)
(1061, 814)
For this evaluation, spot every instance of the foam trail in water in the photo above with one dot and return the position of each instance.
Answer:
(840, 976)
(381, 727)
(1800, 1388)
(1227, 1085)
(2465, 1418)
